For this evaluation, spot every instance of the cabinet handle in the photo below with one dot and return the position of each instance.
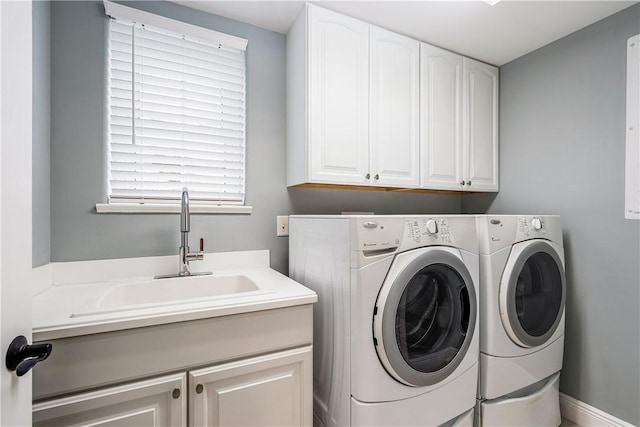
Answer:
(462, 182)
(199, 389)
(367, 176)
(176, 393)
(376, 177)
(468, 182)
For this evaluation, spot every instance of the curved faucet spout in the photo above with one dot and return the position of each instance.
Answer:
(185, 222)
(184, 254)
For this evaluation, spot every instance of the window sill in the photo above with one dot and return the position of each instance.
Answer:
(150, 208)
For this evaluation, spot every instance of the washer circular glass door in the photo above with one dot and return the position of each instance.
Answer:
(532, 293)
(425, 316)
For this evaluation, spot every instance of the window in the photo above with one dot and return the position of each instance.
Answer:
(176, 111)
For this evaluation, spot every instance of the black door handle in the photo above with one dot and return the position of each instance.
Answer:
(21, 357)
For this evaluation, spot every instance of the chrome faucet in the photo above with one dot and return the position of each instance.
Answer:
(184, 255)
(185, 227)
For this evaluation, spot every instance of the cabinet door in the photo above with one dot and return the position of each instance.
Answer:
(338, 132)
(272, 390)
(157, 402)
(394, 109)
(480, 125)
(440, 118)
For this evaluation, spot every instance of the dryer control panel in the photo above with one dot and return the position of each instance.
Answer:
(531, 228)
(500, 231)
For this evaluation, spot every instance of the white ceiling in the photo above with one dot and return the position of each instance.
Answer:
(494, 34)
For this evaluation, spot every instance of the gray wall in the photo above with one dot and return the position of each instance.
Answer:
(78, 31)
(562, 142)
(562, 151)
(41, 135)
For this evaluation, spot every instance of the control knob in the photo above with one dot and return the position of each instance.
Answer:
(536, 223)
(432, 226)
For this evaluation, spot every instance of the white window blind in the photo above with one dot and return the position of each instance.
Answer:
(176, 115)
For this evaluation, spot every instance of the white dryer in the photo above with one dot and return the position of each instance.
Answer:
(522, 293)
(396, 324)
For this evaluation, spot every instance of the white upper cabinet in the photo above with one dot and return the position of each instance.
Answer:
(352, 103)
(459, 122)
(339, 90)
(327, 99)
(480, 124)
(441, 118)
(369, 107)
(394, 109)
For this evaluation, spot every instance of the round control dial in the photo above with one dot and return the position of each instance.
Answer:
(432, 226)
(536, 223)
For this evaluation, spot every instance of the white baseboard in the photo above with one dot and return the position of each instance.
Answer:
(586, 415)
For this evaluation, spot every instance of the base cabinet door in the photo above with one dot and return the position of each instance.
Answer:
(156, 402)
(270, 390)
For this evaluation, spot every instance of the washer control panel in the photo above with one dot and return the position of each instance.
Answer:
(388, 233)
(428, 231)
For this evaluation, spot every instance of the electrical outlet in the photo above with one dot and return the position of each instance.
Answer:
(282, 222)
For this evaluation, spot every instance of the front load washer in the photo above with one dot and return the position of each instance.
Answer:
(522, 293)
(396, 324)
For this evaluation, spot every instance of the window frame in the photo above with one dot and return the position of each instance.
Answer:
(118, 11)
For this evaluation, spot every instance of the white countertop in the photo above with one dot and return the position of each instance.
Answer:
(60, 307)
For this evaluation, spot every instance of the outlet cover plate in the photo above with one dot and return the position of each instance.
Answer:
(282, 224)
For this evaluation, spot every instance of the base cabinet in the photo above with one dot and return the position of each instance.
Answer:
(264, 391)
(157, 402)
(249, 369)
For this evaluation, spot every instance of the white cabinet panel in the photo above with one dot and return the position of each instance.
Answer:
(441, 118)
(156, 402)
(327, 99)
(459, 122)
(394, 109)
(481, 125)
(272, 390)
(339, 97)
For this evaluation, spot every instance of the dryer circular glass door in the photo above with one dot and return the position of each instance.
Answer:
(425, 316)
(532, 293)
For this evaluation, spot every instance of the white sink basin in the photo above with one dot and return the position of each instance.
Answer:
(145, 293)
(174, 289)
